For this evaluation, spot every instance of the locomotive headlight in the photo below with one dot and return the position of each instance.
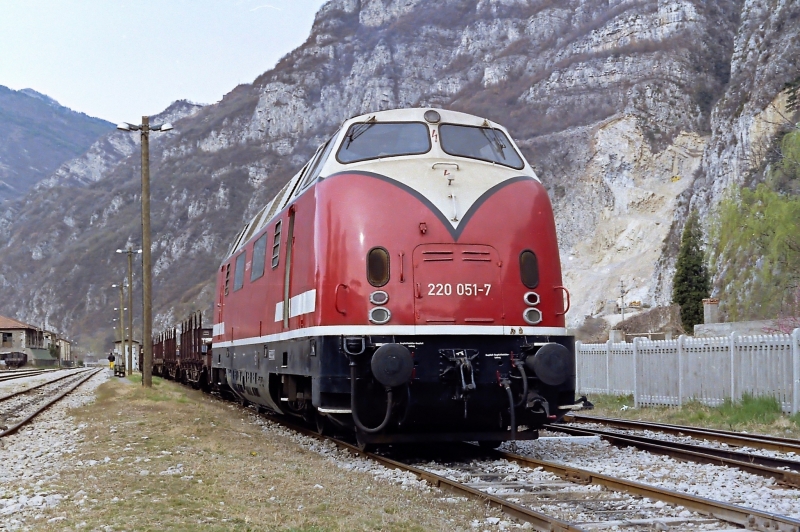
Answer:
(531, 299)
(379, 315)
(379, 297)
(532, 316)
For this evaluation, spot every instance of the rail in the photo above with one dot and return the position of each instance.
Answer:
(738, 439)
(26, 390)
(746, 517)
(21, 374)
(30, 417)
(764, 466)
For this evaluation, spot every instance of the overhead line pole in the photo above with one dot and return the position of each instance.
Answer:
(129, 367)
(147, 280)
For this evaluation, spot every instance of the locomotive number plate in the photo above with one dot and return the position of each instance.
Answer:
(460, 289)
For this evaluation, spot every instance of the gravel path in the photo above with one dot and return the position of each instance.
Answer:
(33, 457)
(710, 481)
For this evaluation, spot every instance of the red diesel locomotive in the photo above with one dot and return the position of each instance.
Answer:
(405, 284)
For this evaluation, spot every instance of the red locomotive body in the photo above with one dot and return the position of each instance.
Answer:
(406, 282)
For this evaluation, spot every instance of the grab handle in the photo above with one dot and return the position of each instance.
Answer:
(568, 302)
(336, 298)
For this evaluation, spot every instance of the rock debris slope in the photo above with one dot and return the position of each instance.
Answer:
(613, 102)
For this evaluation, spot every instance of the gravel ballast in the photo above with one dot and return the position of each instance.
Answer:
(703, 480)
(34, 458)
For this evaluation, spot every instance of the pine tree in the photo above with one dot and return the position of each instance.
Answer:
(691, 282)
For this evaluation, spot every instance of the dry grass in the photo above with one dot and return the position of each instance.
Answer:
(756, 415)
(233, 477)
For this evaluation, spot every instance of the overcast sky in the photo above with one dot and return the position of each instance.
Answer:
(121, 59)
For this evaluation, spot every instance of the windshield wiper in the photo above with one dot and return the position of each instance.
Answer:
(496, 144)
(360, 130)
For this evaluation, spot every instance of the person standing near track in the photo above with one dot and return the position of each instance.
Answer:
(111, 359)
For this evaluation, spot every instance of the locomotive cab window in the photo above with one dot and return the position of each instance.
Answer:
(238, 274)
(259, 257)
(483, 143)
(372, 140)
(378, 266)
(529, 268)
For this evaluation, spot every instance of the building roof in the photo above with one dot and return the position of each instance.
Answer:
(8, 323)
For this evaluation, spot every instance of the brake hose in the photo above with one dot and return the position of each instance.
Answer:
(357, 421)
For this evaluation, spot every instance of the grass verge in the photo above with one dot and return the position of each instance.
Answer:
(172, 458)
(756, 414)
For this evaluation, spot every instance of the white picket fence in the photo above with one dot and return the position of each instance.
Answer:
(709, 370)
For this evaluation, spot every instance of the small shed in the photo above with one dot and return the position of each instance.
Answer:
(118, 350)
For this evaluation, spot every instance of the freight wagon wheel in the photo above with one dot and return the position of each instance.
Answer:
(362, 445)
(323, 424)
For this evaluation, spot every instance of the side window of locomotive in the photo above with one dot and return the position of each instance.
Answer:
(227, 277)
(372, 140)
(314, 172)
(529, 269)
(259, 257)
(294, 183)
(378, 266)
(276, 245)
(482, 143)
(238, 275)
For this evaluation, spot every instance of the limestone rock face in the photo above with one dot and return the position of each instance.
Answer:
(625, 108)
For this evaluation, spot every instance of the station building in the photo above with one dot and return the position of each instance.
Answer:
(37, 346)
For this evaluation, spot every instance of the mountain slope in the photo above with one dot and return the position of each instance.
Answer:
(36, 136)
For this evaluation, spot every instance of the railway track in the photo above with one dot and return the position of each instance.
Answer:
(786, 472)
(556, 497)
(11, 375)
(20, 408)
(737, 439)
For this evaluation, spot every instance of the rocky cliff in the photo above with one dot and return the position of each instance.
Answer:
(621, 106)
(37, 134)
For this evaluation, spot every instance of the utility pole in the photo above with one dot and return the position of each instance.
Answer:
(147, 281)
(121, 322)
(129, 367)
